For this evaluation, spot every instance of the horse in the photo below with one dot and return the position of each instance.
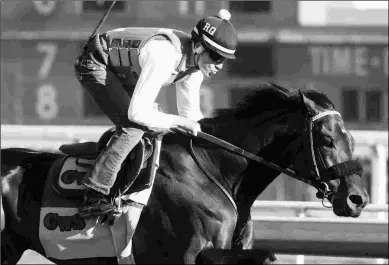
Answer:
(199, 207)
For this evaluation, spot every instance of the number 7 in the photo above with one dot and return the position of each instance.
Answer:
(50, 50)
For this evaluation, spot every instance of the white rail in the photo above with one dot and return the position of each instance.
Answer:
(300, 206)
(322, 236)
(364, 237)
(51, 137)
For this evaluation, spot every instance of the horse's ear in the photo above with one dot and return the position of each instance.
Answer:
(308, 105)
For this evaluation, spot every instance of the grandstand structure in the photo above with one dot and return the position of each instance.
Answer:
(349, 62)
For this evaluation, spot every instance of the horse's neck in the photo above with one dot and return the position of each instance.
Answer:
(228, 167)
(230, 131)
(249, 179)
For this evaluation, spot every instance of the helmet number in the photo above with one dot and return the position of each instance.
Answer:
(207, 28)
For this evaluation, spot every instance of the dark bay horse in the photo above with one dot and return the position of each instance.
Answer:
(203, 192)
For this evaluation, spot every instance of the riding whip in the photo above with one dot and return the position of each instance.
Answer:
(101, 22)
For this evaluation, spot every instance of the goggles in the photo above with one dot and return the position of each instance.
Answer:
(217, 58)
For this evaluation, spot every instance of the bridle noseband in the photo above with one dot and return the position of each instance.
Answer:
(334, 172)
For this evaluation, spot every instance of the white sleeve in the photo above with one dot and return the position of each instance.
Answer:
(188, 96)
(157, 60)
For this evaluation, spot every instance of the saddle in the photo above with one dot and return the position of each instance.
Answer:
(127, 181)
(88, 149)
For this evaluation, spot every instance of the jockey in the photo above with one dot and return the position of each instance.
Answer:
(124, 69)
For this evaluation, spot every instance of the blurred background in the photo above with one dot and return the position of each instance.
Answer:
(337, 47)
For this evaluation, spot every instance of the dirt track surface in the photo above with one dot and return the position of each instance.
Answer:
(32, 257)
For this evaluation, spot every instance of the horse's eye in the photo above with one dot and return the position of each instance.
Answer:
(328, 142)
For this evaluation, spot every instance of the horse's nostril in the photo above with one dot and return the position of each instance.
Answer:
(356, 199)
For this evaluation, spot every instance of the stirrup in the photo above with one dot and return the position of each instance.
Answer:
(96, 209)
(95, 204)
(99, 206)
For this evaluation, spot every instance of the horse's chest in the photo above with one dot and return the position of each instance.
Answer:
(192, 215)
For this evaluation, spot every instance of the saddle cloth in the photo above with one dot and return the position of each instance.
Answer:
(32, 257)
(63, 233)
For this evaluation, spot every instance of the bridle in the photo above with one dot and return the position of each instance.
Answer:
(337, 171)
(323, 190)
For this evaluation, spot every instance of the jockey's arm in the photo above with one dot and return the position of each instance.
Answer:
(157, 60)
(188, 96)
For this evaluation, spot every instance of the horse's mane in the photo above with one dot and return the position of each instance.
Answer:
(270, 96)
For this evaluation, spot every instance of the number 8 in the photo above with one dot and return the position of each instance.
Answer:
(46, 104)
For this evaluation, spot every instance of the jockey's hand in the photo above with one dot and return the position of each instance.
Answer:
(189, 126)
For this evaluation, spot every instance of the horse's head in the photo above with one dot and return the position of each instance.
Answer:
(324, 158)
(296, 129)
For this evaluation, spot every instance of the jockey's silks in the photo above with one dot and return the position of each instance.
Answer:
(163, 57)
(123, 47)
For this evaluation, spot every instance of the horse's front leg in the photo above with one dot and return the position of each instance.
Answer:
(242, 253)
(13, 242)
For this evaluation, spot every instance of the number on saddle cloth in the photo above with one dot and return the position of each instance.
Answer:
(127, 180)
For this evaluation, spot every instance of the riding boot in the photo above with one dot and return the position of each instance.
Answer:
(101, 177)
(96, 204)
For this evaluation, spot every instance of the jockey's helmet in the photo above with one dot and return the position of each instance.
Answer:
(217, 34)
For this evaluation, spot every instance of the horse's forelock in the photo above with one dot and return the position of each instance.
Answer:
(320, 98)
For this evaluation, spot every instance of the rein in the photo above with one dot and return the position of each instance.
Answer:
(239, 151)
